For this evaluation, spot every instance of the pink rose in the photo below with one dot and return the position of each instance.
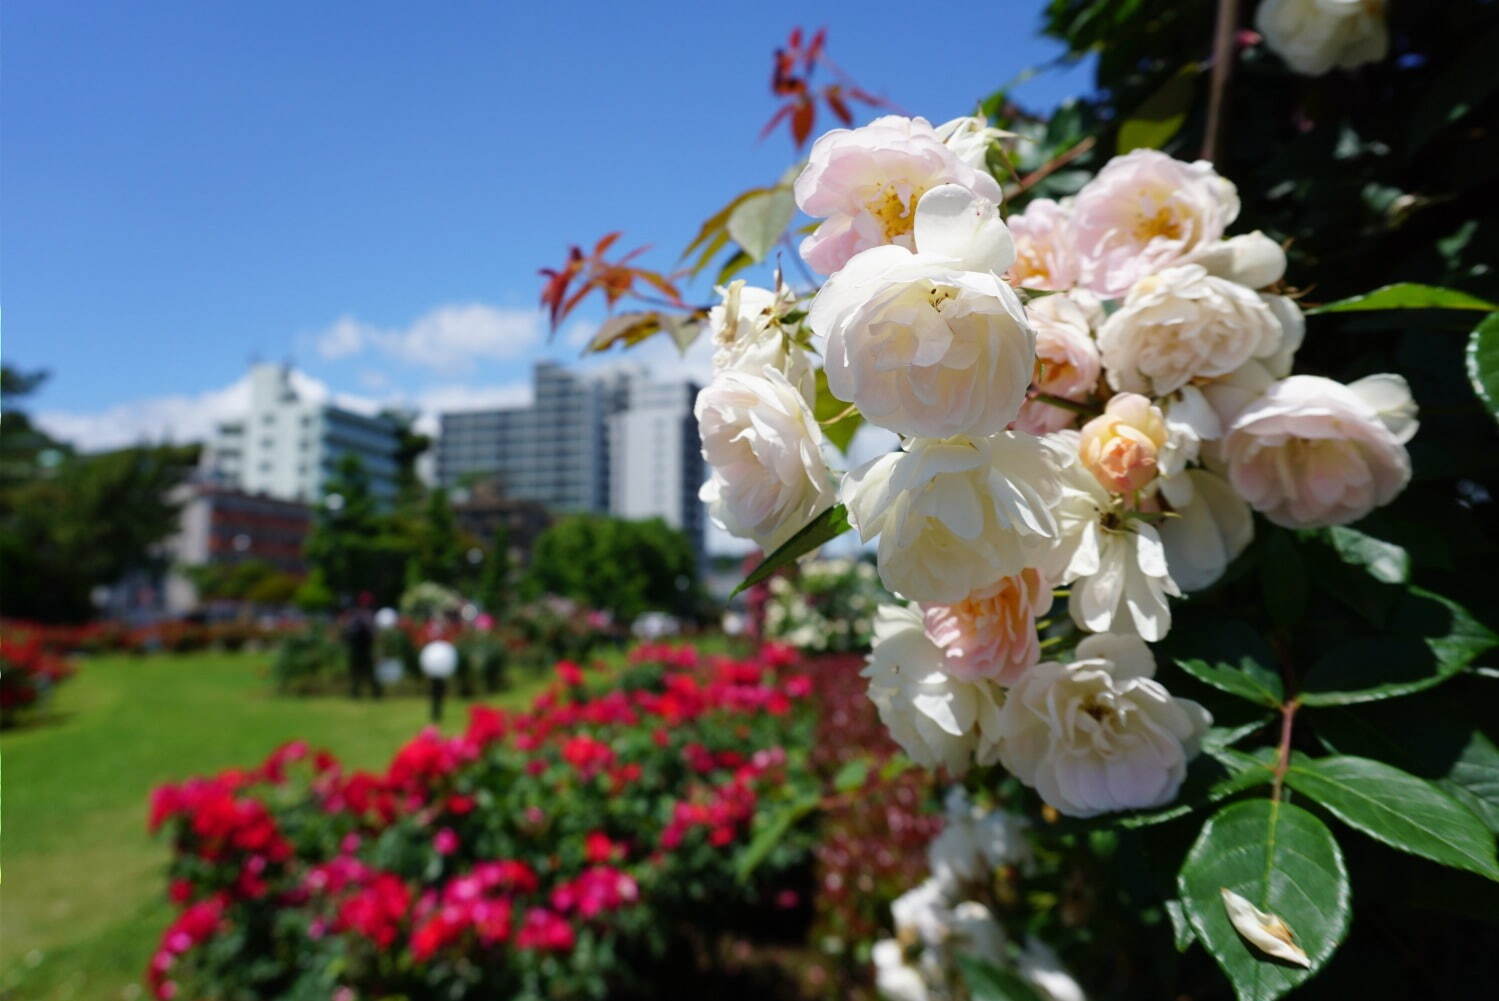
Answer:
(1313, 452)
(1146, 211)
(1067, 362)
(1121, 447)
(1045, 256)
(991, 633)
(864, 184)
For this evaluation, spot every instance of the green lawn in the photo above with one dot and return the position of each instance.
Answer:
(82, 900)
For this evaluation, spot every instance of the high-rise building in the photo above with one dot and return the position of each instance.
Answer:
(286, 446)
(615, 442)
(554, 452)
(655, 457)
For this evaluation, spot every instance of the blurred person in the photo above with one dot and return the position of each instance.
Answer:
(358, 630)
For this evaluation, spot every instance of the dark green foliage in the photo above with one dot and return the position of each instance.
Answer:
(625, 567)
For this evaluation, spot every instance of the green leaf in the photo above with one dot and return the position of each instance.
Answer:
(1281, 859)
(1283, 578)
(1238, 661)
(1182, 935)
(1406, 295)
(1385, 561)
(713, 233)
(758, 222)
(1431, 639)
(736, 263)
(987, 982)
(1160, 116)
(852, 775)
(824, 528)
(1434, 737)
(1397, 808)
(770, 835)
(841, 432)
(1483, 363)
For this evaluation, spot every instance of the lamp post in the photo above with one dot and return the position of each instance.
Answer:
(439, 660)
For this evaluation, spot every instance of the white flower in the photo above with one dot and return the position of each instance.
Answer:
(1313, 452)
(936, 719)
(1251, 259)
(931, 343)
(1116, 564)
(1144, 212)
(1190, 421)
(1183, 324)
(1099, 734)
(765, 449)
(865, 184)
(975, 932)
(1045, 255)
(747, 335)
(894, 978)
(974, 842)
(969, 138)
(954, 515)
(1313, 36)
(923, 914)
(1040, 965)
(1211, 527)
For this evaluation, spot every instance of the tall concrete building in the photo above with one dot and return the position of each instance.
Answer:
(617, 443)
(286, 446)
(655, 457)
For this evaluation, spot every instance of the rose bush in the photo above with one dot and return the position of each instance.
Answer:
(29, 671)
(578, 849)
(1243, 424)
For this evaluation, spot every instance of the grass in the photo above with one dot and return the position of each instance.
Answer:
(82, 901)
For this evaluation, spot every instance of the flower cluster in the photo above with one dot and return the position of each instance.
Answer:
(945, 917)
(29, 671)
(581, 828)
(1095, 396)
(828, 607)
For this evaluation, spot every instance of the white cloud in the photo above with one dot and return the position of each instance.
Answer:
(450, 338)
(179, 417)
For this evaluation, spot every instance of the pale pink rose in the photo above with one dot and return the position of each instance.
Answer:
(1045, 257)
(992, 632)
(864, 184)
(1313, 452)
(1146, 211)
(1121, 447)
(1067, 362)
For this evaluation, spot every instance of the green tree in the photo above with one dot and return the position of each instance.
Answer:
(352, 546)
(495, 584)
(84, 523)
(626, 567)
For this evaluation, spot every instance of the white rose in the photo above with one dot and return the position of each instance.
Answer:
(765, 449)
(1146, 211)
(747, 335)
(1183, 324)
(1313, 36)
(1251, 259)
(974, 841)
(1211, 527)
(1099, 734)
(975, 932)
(1116, 564)
(894, 978)
(936, 719)
(954, 515)
(1313, 452)
(930, 343)
(865, 184)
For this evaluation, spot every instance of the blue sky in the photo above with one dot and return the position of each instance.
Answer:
(369, 189)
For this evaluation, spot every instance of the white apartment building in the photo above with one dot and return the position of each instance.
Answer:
(655, 457)
(286, 446)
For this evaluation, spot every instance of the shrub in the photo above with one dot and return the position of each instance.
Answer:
(29, 671)
(586, 848)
